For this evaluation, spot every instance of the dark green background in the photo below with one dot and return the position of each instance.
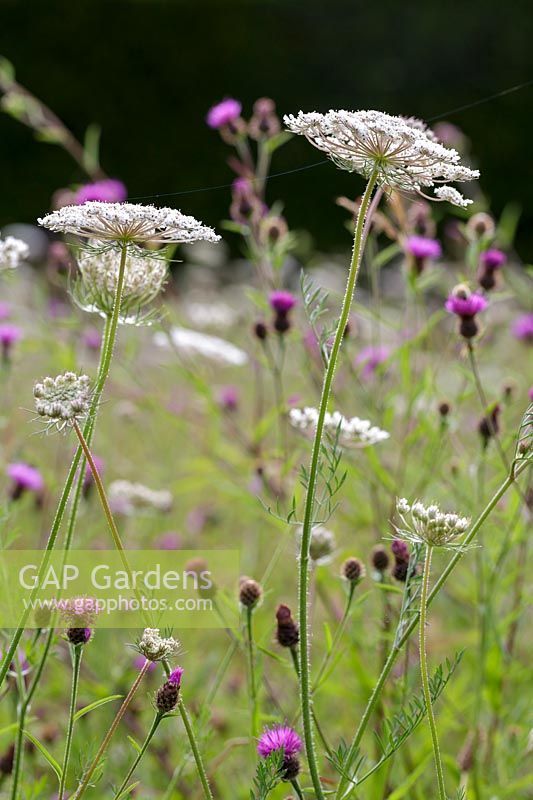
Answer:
(147, 70)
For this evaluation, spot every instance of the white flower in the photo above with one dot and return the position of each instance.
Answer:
(127, 222)
(155, 648)
(404, 152)
(127, 498)
(452, 196)
(207, 315)
(193, 342)
(64, 399)
(12, 252)
(430, 525)
(352, 432)
(144, 276)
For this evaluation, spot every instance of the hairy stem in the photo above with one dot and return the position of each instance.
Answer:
(306, 700)
(251, 674)
(195, 750)
(76, 652)
(149, 736)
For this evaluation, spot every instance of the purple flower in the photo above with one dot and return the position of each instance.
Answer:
(9, 335)
(523, 328)
(282, 301)
(88, 478)
(223, 113)
(465, 304)
(109, 190)
(169, 541)
(530, 393)
(5, 310)
(228, 398)
(92, 338)
(280, 737)
(422, 247)
(139, 661)
(25, 477)
(493, 258)
(175, 676)
(400, 550)
(370, 358)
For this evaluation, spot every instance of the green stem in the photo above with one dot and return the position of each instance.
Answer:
(336, 638)
(297, 789)
(195, 750)
(306, 700)
(76, 652)
(251, 676)
(103, 372)
(443, 577)
(424, 673)
(149, 736)
(109, 735)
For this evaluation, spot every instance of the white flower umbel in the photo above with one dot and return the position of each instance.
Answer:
(12, 252)
(128, 222)
(154, 647)
(429, 525)
(405, 153)
(191, 342)
(63, 400)
(128, 498)
(94, 291)
(351, 432)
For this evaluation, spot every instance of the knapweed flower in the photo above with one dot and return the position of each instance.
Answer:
(167, 695)
(489, 425)
(264, 123)
(429, 525)
(353, 570)
(155, 647)
(380, 559)
(92, 339)
(108, 190)
(127, 223)
(88, 478)
(246, 207)
(5, 310)
(284, 738)
(370, 358)
(282, 302)
(223, 113)
(287, 632)
(77, 636)
(250, 592)
(9, 335)
(194, 343)
(522, 328)
(12, 252)
(404, 153)
(228, 398)
(490, 261)
(63, 400)
(129, 498)
(466, 304)
(422, 249)
(352, 432)
(94, 291)
(25, 479)
(480, 226)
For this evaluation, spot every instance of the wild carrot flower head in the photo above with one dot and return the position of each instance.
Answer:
(108, 190)
(423, 247)
(12, 252)
(223, 113)
(430, 525)
(99, 265)
(280, 737)
(523, 328)
(155, 647)
(352, 432)
(129, 498)
(127, 223)
(195, 343)
(404, 153)
(62, 400)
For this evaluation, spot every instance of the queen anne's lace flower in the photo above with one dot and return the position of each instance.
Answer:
(127, 222)
(127, 498)
(404, 153)
(144, 276)
(12, 252)
(155, 648)
(430, 525)
(196, 343)
(352, 432)
(63, 400)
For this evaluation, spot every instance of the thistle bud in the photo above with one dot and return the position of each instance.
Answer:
(78, 635)
(353, 570)
(287, 633)
(249, 592)
(261, 330)
(167, 695)
(380, 558)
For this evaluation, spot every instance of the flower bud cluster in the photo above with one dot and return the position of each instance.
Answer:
(63, 400)
(430, 525)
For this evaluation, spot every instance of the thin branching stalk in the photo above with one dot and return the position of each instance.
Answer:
(297, 789)
(106, 355)
(76, 652)
(515, 471)
(424, 673)
(149, 736)
(306, 701)
(195, 750)
(336, 637)
(109, 735)
(252, 687)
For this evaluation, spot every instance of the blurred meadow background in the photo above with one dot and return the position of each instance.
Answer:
(196, 408)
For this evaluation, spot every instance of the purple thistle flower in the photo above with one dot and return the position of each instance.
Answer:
(422, 247)
(9, 335)
(25, 478)
(280, 737)
(523, 328)
(493, 258)
(465, 304)
(370, 358)
(175, 676)
(5, 310)
(109, 190)
(223, 113)
(228, 398)
(282, 301)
